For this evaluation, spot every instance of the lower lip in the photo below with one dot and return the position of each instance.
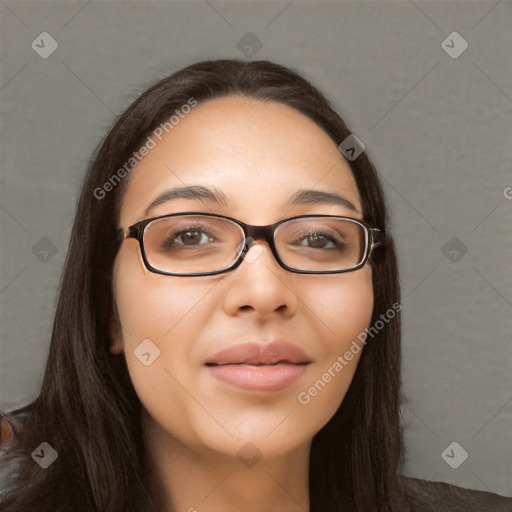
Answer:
(265, 377)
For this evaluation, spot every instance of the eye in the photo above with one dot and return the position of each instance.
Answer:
(192, 236)
(319, 240)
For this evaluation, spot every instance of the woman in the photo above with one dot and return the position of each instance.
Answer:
(206, 355)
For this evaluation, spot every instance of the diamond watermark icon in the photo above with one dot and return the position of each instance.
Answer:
(146, 352)
(454, 249)
(44, 249)
(249, 455)
(44, 455)
(249, 45)
(454, 45)
(454, 455)
(44, 45)
(352, 147)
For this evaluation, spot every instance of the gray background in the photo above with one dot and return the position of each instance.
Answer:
(437, 128)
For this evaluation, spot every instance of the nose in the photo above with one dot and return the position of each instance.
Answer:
(260, 284)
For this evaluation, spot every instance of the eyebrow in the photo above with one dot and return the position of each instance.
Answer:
(216, 196)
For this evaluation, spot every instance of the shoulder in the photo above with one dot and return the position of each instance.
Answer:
(427, 496)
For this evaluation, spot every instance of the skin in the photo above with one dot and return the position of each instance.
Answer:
(258, 154)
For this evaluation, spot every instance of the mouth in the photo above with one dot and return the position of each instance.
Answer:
(262, 367)
(257, 354)
(282, 362)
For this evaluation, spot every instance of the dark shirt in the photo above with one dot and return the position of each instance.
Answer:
(426, 496)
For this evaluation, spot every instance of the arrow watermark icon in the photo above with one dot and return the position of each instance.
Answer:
(146, 352)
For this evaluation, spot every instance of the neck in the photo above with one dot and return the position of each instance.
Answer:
(199, 479)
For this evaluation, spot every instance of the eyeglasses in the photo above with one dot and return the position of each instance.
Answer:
(199, 244)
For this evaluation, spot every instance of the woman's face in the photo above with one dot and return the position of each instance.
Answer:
(258, 155)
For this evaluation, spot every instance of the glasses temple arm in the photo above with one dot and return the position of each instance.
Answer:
(378, 237)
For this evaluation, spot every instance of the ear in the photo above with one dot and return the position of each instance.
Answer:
(116, 340)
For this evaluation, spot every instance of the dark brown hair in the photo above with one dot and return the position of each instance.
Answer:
(87, 409)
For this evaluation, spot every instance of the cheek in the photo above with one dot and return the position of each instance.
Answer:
(160, 317)
(344, 308)
(152, 304)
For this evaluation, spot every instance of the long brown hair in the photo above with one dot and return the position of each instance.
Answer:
(87, 409)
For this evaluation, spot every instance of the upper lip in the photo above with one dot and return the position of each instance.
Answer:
(260, 354)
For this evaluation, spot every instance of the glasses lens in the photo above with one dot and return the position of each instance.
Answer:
(321, 243)
(192, 243)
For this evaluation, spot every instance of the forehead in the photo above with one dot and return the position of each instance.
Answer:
(257, 153)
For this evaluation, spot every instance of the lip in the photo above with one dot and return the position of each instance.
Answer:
(266, 367)
(260, 354)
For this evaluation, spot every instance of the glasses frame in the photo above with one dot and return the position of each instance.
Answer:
(373, 238)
